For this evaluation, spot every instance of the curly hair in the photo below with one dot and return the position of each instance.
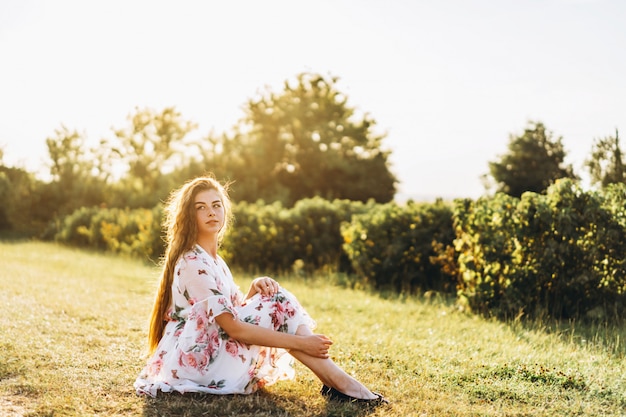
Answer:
(181, 234)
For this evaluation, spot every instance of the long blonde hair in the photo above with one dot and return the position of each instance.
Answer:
(181, 235)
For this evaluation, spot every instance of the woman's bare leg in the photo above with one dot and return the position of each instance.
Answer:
(329, 373)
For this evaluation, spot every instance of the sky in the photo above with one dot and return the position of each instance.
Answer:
(447, 81)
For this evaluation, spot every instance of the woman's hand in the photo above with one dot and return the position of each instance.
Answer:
(316, 345)
(265, 286)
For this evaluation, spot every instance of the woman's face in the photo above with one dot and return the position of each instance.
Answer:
(210, 213)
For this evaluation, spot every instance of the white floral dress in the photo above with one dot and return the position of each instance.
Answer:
(196, 355)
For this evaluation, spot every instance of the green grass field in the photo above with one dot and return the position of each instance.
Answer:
(74, 324)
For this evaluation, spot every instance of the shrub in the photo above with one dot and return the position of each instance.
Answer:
(392, 246)
(271, 238)
(74, 229)
(560, 254)
(130, 232)
(250, 243)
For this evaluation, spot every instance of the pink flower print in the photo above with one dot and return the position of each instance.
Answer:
(199, 323)
(201, 364)
(232, 348)
(278, 306)
(202, 339)
(209, 352)
(192, 301)
(216, 385)
(278, 316)
(155, 366)
(213, 343)
(290, 310)
(224, 302)
(193, 360)
(188, 359)
(252, 371)
(234, 300)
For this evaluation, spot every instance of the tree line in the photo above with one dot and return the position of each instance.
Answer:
(559, 254)
(302, 141)
(535, 160)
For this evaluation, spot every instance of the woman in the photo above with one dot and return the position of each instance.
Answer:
(206, 336)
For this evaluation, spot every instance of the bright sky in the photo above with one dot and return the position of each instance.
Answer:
(448, 80)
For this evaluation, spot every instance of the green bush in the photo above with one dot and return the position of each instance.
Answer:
(265, 238)
(560, 254)
(74, 229)
(131, 232)
(392, 247)
(270, 238)
(250, 244)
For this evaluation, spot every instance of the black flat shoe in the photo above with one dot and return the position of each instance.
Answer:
(336, 395)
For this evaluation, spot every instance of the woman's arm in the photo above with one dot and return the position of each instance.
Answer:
(316, 345)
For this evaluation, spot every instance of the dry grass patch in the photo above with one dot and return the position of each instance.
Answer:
(74, 327)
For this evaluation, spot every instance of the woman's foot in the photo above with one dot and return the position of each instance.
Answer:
(336, 395)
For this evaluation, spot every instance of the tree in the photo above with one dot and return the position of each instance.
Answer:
(150, 147)
(534, 161)
(24, 207)
(67, 156)
(606, 163)
(303, 142)
(73, 182)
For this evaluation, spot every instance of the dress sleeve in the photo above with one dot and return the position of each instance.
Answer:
(199, 284)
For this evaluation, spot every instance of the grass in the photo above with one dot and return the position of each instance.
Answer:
(74, 325)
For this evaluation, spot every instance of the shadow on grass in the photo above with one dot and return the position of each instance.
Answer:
(195, 404)
(9, 236)
(259, 404)
(603, 337)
